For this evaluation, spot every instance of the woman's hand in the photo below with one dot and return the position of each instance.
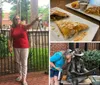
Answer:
(37, 19)
(10, 49)
(28, 26)
(10, 44)
(57, 68)
(40, 17)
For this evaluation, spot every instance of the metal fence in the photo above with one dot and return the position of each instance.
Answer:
(38, 54)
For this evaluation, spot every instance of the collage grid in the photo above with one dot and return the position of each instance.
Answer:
(49, 42)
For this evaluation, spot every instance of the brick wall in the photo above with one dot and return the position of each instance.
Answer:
(6, 20)
(54, 47)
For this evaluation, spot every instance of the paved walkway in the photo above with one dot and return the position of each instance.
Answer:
(34, 78)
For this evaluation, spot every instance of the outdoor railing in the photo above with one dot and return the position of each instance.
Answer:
(38, 59)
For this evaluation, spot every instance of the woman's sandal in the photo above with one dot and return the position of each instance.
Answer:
(25, 83)
(18, 79)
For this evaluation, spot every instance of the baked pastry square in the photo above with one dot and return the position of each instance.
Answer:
(93, 10)
(75, 4)
(70, 28)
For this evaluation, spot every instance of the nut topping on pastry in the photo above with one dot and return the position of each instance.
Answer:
(93, 10)
(75, 4)
(69, 28)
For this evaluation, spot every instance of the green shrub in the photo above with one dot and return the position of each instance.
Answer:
(3, 46)
(38, 58)
(91, 59)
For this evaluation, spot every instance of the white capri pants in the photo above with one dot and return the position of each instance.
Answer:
(21, 56)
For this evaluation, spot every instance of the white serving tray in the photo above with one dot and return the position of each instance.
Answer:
(55, 32)
(78, 10)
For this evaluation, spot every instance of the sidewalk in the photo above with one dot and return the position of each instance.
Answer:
(34, 78)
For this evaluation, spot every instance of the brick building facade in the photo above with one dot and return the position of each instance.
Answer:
(58, 47)
(6, 20)
(54, 47)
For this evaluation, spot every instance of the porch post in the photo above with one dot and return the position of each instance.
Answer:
(34, 12)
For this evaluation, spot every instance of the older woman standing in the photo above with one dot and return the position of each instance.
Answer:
(56, 62)
(19, 41)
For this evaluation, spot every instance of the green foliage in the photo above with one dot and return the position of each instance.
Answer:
(24, 9)
(12, 13)
(3, 46)
(2, 15)
(44, 10)
(91, 59)
(10, 1)
(38, 58)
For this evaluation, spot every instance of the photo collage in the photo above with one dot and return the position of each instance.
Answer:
(49, 42)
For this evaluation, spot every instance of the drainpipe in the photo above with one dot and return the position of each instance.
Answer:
(85, 47)
(71, 46)
(77, 45)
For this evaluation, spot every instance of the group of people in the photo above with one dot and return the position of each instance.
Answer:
(72, 63)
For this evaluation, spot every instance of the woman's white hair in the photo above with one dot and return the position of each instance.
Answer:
(67, 52)
(63, 51)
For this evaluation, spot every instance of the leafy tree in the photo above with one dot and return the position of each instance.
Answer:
(25, 10)
(44, 10)
(16, 6)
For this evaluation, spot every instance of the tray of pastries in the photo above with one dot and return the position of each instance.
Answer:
(95, 10)
(72, 28)
(85, 8)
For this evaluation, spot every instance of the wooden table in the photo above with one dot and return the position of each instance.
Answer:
(62, 3)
